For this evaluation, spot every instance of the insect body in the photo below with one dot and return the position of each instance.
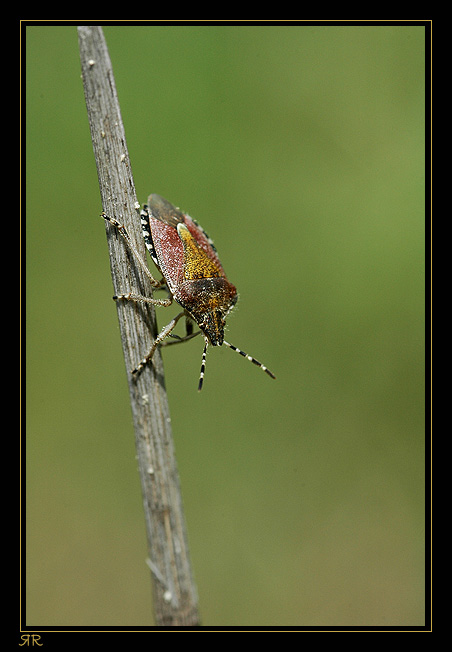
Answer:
(192, 273)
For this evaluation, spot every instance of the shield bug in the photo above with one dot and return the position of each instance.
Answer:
(192, 274)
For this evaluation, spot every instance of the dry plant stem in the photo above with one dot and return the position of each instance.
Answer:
(174, 591)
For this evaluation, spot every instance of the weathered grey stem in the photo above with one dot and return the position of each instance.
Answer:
(174, 591)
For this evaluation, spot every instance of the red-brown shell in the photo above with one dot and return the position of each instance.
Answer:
(193, 272)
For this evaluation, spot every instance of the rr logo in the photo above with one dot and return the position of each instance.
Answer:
(30, 639)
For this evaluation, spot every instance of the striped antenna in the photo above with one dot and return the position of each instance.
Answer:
(234, 348)
(203, 365)
(251, 359)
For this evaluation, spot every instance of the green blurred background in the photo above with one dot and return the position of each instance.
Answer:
(300, 150)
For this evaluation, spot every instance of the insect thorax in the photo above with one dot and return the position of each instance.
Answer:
(208, 301)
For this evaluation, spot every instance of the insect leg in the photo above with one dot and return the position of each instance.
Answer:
(122, 230)
(162, 335)
(140, 298)
(189, 334)
(179, 340)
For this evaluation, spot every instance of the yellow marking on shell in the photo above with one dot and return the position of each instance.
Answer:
(197, 263)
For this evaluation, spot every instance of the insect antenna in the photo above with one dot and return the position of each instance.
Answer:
(203, 365)
(234, 348)
(250, 358)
